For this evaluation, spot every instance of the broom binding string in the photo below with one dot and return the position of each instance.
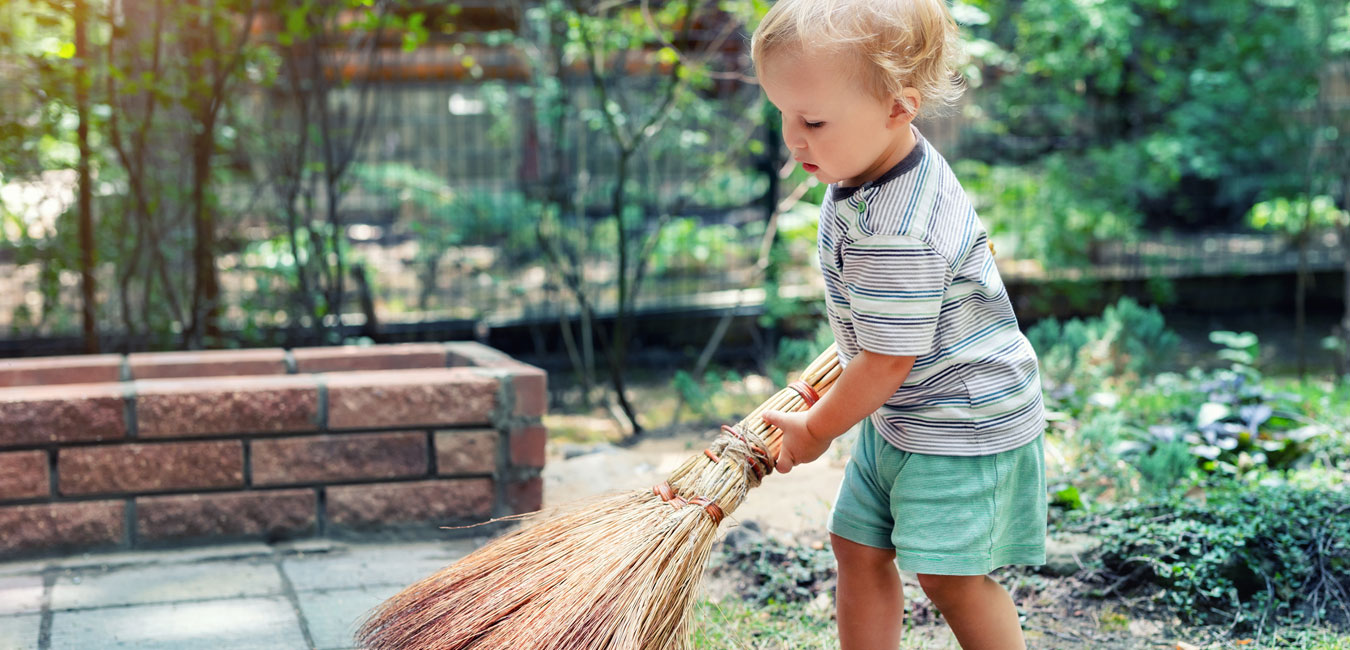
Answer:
(667, 494)
(809, 395)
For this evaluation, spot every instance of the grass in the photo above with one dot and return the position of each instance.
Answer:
(736, 625)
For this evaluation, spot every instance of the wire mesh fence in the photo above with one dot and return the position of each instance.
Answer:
(483, 201)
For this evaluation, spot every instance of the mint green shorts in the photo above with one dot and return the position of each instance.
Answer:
(944, 515)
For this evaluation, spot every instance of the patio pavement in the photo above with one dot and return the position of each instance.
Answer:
(311, 594)
(296, 596)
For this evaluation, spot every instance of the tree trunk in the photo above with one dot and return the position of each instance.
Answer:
(618, 349)
(1345, 299)
(205, 326)
(371, 329)
(86, 199)
(1301, 301)
(1345, 296)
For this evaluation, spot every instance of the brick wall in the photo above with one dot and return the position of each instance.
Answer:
(166, 448)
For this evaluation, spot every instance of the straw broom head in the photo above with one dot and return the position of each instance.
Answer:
(617, 572)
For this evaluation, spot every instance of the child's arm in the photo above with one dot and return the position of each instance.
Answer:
(866, 383)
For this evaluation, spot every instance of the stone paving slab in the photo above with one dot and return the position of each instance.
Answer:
(20, 595)
(308, 596)
(178, 582)
(389, 564)
(334, 615)
(164, 556)
(20, 632)
(237, 624)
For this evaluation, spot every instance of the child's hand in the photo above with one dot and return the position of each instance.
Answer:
(799, 446)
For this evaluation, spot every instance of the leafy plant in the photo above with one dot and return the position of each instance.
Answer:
(698, 395)
(687, 246)
(1293, 217)
(1241, 423)
(778, 572)
(794, 354)
(1133, 99)
(1242, 556)
(1115, 349)
(1148, 435)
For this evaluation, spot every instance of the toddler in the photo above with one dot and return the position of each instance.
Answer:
(947, 476)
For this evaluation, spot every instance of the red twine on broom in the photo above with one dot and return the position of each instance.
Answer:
(667, 494)
(809, 394)
(759, 460)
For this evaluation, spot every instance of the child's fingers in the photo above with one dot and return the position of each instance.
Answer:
(784, 462)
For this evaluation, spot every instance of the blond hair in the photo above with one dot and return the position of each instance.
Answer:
(898, 44)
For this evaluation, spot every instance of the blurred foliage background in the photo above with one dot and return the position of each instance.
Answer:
(601, 189)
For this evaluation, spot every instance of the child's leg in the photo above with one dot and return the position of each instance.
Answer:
(979, 611)
(869, 602)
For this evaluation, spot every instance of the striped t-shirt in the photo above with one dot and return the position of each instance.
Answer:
(908, 272)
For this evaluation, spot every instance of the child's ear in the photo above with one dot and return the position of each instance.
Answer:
(901, 116)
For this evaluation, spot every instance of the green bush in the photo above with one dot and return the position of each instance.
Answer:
(1240, 422)
(1242, 556)
(794, 355)
(1051, 212)
(698, 396)
(1129, 104)
(1136, 436)
(1125, 342)
(687, 246)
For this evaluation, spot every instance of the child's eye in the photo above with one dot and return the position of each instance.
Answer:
(814, 125)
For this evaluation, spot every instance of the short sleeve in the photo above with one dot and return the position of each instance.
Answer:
(895, 287)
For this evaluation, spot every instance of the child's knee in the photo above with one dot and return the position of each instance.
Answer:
(947, 589)
(851, 554)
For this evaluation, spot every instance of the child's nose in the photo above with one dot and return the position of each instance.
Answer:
(793, 138)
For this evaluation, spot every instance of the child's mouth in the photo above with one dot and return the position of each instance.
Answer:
(810, 169)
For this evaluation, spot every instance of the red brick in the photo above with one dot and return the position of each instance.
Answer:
(410, 398)
(151, 468)
(220, 405)
(339, 457)
(44, 371)
(57, 526)
(76, 412)
(270, 513)
(24, 475)
(207, 363)
(528, 446)
(466, 452)
(526, 495)
(531, 386)
(377, 357)
(437, 502)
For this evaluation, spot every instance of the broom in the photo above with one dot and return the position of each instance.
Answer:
(616, 572)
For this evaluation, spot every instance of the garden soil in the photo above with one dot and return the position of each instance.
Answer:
(794, 507)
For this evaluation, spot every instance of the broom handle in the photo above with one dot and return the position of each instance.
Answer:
(820, 376)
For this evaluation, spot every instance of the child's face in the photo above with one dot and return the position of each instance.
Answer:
(836, 129)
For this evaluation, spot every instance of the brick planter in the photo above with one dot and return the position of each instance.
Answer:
(153, 449)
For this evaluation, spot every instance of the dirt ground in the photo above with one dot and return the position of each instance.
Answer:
(786, 504)
(1057, 612)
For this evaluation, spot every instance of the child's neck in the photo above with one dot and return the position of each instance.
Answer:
(901, 146)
